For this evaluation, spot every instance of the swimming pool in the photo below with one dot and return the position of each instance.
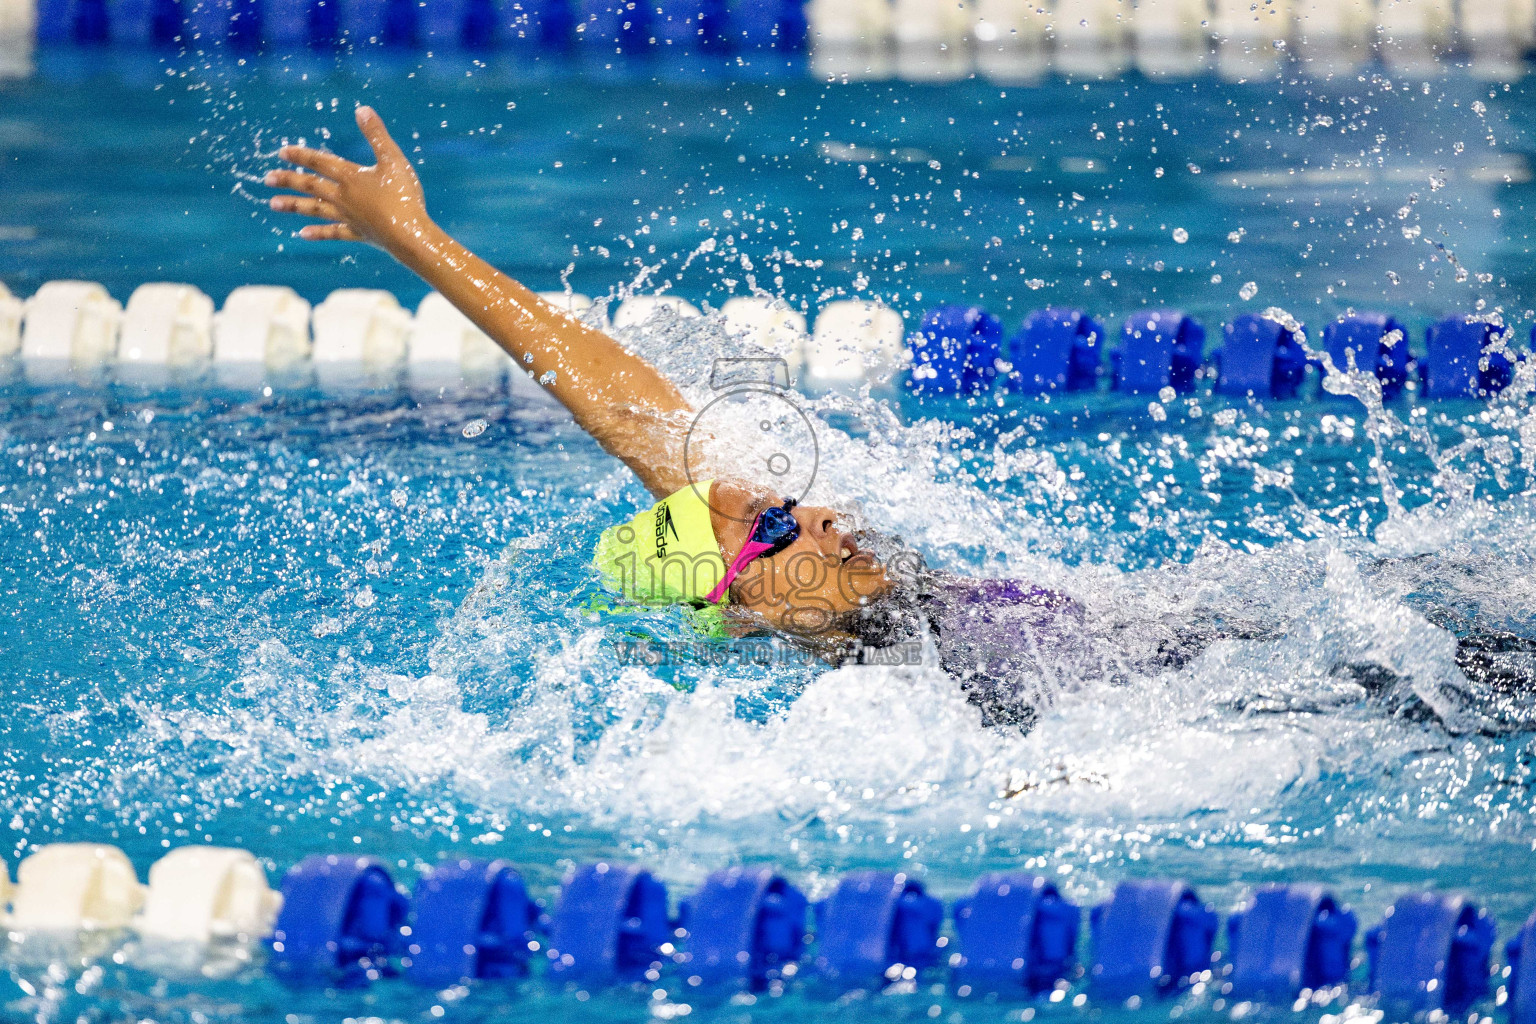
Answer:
(301, 623)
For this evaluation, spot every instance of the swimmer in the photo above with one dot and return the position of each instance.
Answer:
(736, 553)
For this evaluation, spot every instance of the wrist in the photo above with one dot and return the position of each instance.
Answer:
(412, 240)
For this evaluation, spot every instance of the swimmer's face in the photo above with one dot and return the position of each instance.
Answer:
(805, 587)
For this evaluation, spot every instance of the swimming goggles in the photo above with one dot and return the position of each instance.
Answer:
(773, 530)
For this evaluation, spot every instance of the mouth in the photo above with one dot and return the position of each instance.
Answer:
(848, 548)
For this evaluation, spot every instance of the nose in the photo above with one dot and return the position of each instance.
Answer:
(821, 525)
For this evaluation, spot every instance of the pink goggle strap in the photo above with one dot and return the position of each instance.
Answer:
(749, 551)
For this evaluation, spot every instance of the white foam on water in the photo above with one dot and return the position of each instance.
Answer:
(1263, 716)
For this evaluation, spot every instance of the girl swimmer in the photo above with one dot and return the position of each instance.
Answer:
(736, 552)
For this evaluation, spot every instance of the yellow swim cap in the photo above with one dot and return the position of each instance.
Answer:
(667, 554)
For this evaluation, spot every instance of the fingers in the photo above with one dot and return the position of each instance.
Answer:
(304, 206)
(372, 125)
(318, 160)
(329, 233)
(311, 184)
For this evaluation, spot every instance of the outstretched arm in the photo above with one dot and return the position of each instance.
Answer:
(634, 412)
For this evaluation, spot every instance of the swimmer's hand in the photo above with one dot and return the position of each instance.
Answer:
(382, 204)
(624, 402)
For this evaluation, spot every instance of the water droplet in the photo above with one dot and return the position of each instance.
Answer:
(1248, 290)
(1180, 235)
(475, 427)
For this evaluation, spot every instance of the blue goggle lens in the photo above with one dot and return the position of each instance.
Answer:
(778, 527)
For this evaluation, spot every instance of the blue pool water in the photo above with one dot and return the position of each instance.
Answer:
(304, 623)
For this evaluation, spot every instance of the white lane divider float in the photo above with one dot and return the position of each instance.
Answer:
(166, 327)
(446, 350)
(68, 325)
(1334, 38)
(1091, 37)
(867, 23)
(10, 323)
(1325, 22)
(1498, 33)
(359, 337)
(1170, 37)
(850, 39)
(854, 338)
(201, 893)
(1010, 38)
(262, 329)
(262, 335)
(768, 324)
(931, 40)
(570, 302)
(1250, 37)
(641, 310)
(72, 887)
(1411, 31)
(18, 34)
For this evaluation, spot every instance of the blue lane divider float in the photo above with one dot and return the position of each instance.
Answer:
(1058, 349)
(876, 924)
(1017, 936)
(1431, 953)
(626, 23)
(743, 926)
(767, 24)
(1159, 348)
(693, 25)
(610, 924)
(73, 21)
(1259, 357)
(472, 919)
(1149, 939)
(955, 350)
(340, 920)
(1364, 336)
(248, 25)
(472, 24)
(344, 922)
(1055, 349)
(1520, 954)
(550, 23)
(1454, 363)
(1288, 938)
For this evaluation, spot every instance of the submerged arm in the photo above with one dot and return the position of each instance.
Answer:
(624, 402)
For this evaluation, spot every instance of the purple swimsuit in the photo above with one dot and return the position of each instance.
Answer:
(1010, 643)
